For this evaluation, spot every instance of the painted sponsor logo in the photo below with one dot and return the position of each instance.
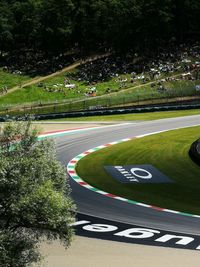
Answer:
(137, 174)
(94, 227)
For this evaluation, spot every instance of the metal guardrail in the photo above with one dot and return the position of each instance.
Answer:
(104, 102)
(100, 111)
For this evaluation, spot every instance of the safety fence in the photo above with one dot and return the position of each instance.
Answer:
(106, 111)
(97, 103)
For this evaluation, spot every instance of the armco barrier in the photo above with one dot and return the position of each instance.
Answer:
(97, 112)
(194, 152)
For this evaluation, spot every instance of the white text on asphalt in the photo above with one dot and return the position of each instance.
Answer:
(134, 233)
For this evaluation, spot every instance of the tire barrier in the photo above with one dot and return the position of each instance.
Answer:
(99, 112)
(194, 152)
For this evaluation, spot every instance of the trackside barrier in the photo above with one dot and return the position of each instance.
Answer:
(103, 112)
(194, 152)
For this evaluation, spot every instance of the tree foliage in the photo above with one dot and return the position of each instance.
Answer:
(34, 196)
(58, 25)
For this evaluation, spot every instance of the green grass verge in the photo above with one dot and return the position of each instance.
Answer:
(10, 80)
(136, 116)
(168, 152)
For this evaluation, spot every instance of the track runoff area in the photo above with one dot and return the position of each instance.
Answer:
(101, 228)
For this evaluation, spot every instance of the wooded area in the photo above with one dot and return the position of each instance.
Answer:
(54, 26)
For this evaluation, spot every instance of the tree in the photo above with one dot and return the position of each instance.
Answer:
(34, 196)
(26, 22)
(6, 25)
(186, 19)
(56, 24)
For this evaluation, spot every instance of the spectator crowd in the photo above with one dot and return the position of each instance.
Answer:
(127, 70)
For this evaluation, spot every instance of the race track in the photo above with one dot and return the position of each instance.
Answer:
(91, 203)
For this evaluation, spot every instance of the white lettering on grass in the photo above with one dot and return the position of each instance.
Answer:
(147, 176)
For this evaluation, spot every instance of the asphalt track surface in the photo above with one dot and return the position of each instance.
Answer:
(97, 205)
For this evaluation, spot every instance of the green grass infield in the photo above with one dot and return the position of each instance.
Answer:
(168, 152)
